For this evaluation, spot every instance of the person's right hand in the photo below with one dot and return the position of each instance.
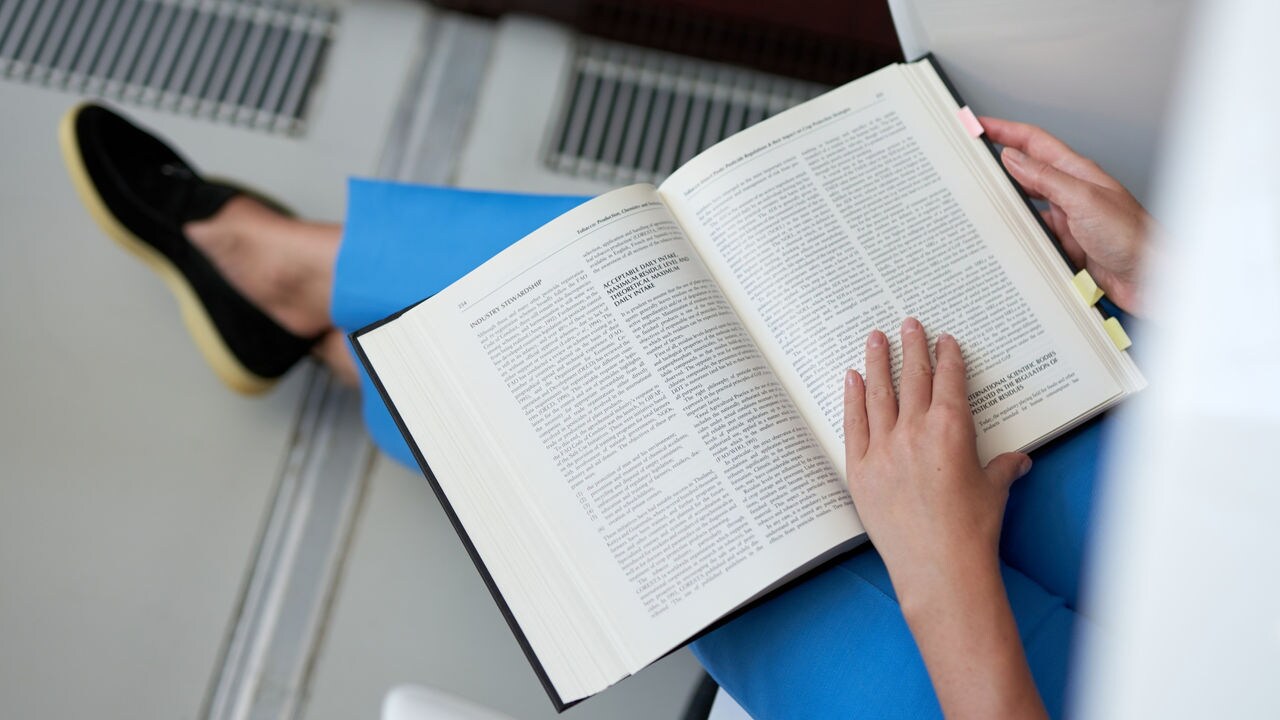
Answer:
(1101, 226)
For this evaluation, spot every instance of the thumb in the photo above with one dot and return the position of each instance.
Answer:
(1004, 469)
(1046, 181)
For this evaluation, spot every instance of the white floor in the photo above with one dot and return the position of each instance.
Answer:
(132, 484)
(133, 489)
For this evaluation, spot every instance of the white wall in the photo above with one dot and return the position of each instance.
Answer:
(1097, 73)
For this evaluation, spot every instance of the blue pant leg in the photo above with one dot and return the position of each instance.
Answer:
(837, 646)
(1046, 524)
(403, 243)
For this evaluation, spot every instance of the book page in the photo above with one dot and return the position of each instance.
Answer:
(636, 434)
(851, 213)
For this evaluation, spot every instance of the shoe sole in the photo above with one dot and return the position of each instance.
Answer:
(199, 325)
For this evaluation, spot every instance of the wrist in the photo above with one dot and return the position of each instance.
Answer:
(950, 586)
(969, 641)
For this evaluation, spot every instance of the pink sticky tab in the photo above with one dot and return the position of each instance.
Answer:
(969, 121)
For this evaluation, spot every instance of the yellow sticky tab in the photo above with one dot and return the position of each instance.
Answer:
(1087, 288)
(1117, 333)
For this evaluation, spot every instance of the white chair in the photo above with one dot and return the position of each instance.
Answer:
(414, 702)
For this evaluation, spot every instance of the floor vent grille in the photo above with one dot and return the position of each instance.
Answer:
(634, 115)
(245, 62)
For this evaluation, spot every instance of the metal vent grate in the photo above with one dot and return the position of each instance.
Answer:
(635, 115)
(248, 62)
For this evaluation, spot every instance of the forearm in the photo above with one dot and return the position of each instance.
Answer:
(966, 633)
(934, 512)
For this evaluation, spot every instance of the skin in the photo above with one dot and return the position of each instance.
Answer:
(930, 508)
(1099, 223)
(934, 514)
(284, 266)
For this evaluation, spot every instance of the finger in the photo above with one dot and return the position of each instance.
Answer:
(882, 406)
(1045, 181)
(1051, 220)
(1066, 238)
(916, 381)
(1041, 145)
(856, 435)
(949, 384)
(1057, 222)
(1004, 469)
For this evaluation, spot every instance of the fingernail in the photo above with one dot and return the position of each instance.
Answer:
(1025, 467)
(911, 325)
(875, 339)
(850, 378)
(1014, 156)
(945, 337)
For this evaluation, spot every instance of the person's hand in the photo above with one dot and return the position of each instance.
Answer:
(934, 513)
(931, 510)
(1101, 226)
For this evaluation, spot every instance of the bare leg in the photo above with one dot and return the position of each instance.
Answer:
(284, 266)
(334, 353)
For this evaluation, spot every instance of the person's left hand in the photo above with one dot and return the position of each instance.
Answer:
(930, 508)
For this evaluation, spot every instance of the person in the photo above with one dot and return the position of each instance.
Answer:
(966, 600)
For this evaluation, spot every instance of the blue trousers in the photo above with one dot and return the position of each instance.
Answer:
(835, 645)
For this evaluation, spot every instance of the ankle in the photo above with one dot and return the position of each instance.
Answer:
(332, 350)
(239, 218)
(280, 264)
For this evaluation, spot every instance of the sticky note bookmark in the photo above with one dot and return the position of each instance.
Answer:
(1117, 333)
(1087, 288)
(970, 121)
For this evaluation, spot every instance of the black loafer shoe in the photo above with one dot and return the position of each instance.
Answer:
(142, 192)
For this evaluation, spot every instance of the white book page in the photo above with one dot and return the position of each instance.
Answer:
(854, 211)
(633, 429)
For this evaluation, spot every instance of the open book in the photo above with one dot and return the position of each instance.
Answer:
(633, 414)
